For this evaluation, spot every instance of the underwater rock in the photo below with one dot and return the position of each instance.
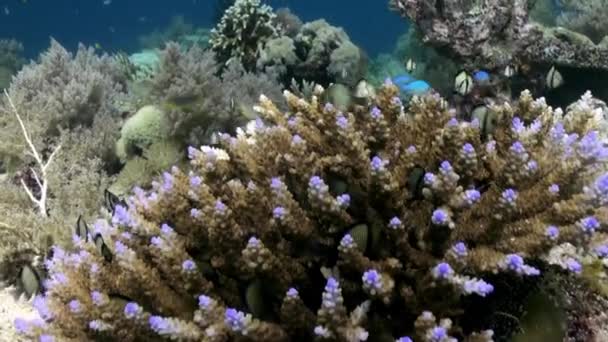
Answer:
(496, 33)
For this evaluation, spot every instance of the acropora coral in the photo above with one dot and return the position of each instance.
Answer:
(374, 224)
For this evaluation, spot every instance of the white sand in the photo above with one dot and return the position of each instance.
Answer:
(11, 309)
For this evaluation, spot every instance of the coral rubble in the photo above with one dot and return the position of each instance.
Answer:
(367, 224)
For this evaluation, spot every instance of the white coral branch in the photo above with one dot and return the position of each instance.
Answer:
(41, 180)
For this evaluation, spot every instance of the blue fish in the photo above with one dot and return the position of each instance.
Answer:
(481, 76)
(403, 80)
(416, 88)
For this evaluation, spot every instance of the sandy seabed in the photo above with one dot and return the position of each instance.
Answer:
(10, 308)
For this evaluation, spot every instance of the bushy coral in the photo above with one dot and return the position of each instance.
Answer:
(61, 101)
(60, 91)
(11, 60)
(196, 101)
(351, 226)
(242, 32)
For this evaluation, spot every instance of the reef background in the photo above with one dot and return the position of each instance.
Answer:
(90, 22)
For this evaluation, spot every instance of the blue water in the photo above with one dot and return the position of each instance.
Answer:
(117, 25)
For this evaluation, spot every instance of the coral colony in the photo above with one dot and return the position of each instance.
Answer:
(311, 226)
(351, 212)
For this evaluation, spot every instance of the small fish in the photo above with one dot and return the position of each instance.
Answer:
(554, 78)
(481, 76)
(97, 46)
(486, 119)
(364, 90)
(112, 29)
(509, 71)
(107, 2)
(410, 65)
(6, 10)
(82, 230)
(111, 201)
(103, 248)
(344, 73)
(29, 280)
(463, 83)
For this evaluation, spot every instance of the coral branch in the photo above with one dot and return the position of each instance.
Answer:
(41, 180)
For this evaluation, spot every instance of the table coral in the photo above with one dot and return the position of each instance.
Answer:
(357, 225)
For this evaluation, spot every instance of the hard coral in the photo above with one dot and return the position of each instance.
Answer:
(325, 49)
(242, 31)
(321, 224)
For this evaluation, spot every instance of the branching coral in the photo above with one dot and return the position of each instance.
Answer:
(321, 224)
(242, 32)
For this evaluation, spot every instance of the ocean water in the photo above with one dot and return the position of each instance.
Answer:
(116, 24)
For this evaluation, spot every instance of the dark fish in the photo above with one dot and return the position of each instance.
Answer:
(415, 182)
(103, 248)
(29, 280)
(111, 201)
(486, 118)
(82, 230)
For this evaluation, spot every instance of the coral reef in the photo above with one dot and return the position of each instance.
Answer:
(11, 60)
(148, 126)
(263, 40)
(242, 31)
(198, 102)
(178, 30)
(431, 66)
(495, 33)
(368, 224)
(60, 91)
(59, 122)
(587, 17)
(183, 101)
(326, 51)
